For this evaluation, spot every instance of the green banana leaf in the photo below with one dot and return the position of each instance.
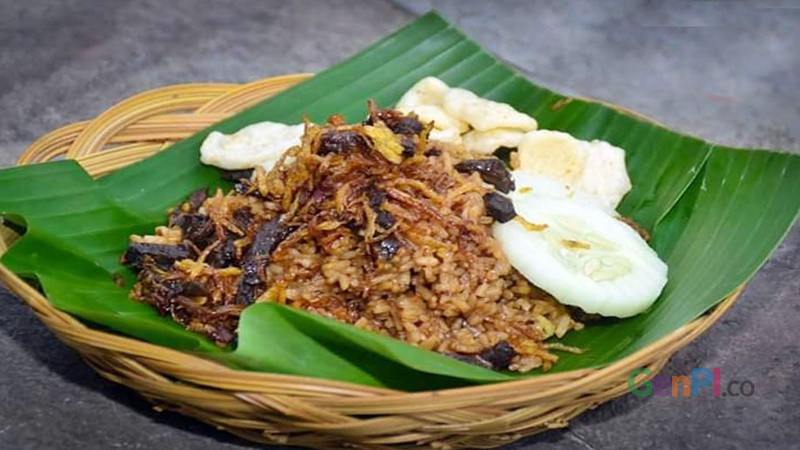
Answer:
(715, 214)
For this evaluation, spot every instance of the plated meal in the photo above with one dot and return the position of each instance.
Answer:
(447, 266)
(449, 222)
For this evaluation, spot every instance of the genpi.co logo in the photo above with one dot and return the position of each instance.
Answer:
(688, 385)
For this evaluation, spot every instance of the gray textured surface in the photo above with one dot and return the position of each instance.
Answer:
(725, 72)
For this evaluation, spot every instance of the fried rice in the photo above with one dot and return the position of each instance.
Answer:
(370, 224)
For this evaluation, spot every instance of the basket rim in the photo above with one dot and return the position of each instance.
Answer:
(89, 135)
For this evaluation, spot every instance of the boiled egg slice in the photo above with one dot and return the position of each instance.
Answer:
(596, 167)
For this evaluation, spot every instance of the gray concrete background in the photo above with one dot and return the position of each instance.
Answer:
(728, 72)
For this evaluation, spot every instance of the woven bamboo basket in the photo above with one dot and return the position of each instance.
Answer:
(292, 410)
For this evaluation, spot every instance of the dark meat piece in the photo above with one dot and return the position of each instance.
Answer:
(433, 152)
(504, 153)
(409, 147)
(193, 289)
(404, 125)
(168, 288)
(581, 315)
(224, 254)
(174, 287)
(496, 358)
(242, 187)
(163, 255)
(267, 239)
(341, 141)
(250, 285)
(222, 335)
(376, 197)
(196, 227)
(388, 247)
(499, 207)
(236, 175)
(500, 355)
(197, 198)
(242, 218)
(385, 219)
(161, 292)
(491, 170)
(396, 121)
